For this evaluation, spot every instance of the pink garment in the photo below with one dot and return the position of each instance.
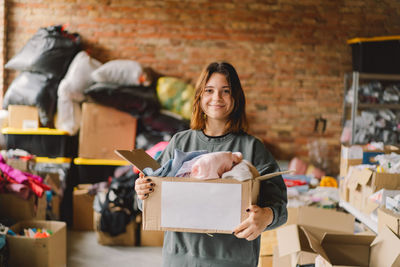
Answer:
(213, 165)
(19, 189)
(160, 146)
(298, 165)
(242, 171)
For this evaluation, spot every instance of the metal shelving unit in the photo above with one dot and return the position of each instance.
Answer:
(356, 77)
(363, 218)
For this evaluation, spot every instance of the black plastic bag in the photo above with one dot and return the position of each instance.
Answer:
(119, 206)
(34, 89)
(50, 51)
(163, 122)
(136, 100)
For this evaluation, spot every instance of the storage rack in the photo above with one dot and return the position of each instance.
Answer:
(356, 77)
(367, 220)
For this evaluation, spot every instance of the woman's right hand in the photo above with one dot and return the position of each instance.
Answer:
(143, 186)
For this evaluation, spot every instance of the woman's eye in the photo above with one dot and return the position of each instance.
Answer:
(208, 91)
(227, 92)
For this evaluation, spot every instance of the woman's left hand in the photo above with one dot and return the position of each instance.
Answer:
(259, 218)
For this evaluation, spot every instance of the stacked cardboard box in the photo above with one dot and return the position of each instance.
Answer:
(356, 155)
(104, 129)
(362, 183)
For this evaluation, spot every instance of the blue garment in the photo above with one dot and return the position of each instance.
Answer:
(172, 166)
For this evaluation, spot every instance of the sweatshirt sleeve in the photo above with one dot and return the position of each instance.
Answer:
(165, 155)
(272, 191)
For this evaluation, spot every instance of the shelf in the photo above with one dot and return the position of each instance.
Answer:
(362, 217)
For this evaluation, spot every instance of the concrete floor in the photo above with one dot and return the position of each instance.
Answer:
(84, 251)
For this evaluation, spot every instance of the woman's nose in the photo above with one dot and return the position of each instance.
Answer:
(217, 95)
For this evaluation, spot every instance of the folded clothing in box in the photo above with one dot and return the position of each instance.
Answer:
(41, 252)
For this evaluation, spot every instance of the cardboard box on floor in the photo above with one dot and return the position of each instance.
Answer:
(125, 239)
(38, 252)
(356, 250)
(157, 208)
(306, 215)
(23, 117)
(149, 238)
(363, 183)
(82, 206)
(103, 129)
(19, 209)
(387, 218)
(292, 243)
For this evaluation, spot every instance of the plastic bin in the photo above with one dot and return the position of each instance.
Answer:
(96, 170)
(42, 142)
(379, 55)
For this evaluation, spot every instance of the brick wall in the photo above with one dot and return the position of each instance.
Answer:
(290, 55)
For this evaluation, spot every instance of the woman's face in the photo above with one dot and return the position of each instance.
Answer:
(216, 101)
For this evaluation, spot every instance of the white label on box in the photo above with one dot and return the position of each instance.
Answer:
(30, 124)
(353, 152)
(214, 206)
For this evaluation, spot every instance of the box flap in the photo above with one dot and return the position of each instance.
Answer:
(326, 219)
(352, 178)
(386, 180)
(346, 249)
(385, 249)
(139, 158)
(289, 239)
(364, 176)
(295, 238)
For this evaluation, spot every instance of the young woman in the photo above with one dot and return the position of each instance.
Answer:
(219, 124)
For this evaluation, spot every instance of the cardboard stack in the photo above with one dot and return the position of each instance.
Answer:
(363, 183)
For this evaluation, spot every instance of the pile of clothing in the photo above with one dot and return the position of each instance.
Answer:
(204, 165)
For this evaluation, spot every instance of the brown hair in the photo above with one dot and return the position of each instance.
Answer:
(237, 121)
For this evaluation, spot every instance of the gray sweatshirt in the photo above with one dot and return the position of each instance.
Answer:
(194, 249)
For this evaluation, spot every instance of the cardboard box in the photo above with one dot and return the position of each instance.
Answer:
(357, 250)
(20, 209)
(151, 238)
(387, 218)
(104, 129)
(268, 241)
(82, 208)
(265, 261)
(306, 215)
(363, 183)
(187, 211)
(126, 239)
(23, 117)
(356, 155)
(280, 261)
(40, 252)
(293, 242)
